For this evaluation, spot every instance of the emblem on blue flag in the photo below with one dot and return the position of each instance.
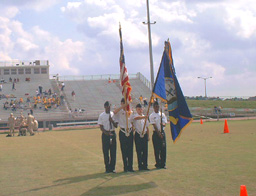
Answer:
(168, 90)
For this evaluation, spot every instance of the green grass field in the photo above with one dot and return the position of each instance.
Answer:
(203, 162)
(225, 104)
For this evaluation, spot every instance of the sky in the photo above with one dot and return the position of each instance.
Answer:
(209, 39)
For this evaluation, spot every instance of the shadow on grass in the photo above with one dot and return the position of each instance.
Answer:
(118, 190)
(76, 179)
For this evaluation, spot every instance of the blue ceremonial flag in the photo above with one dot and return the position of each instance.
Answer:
(167, 89)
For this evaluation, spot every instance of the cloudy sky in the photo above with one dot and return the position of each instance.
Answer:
(214, 38)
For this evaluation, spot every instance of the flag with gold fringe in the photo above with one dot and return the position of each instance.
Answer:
(167, 89)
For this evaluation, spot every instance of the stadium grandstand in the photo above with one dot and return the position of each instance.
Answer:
(22, 82)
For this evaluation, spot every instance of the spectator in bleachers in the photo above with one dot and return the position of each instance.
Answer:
(10, 79)
(1, 87)
(45, 107)
(62, 86)
(35, 104)
(50, 92)
(14, 80)
(141, 99)
(73, 95)
(28, 100)
(31, 111)
(40, 89)
(6, 105)
(13, 86)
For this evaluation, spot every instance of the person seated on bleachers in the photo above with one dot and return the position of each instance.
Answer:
(28, 100)
(6, 105)
(14, 107)
(2, 80)
(35, 104)
(21, 100)
(50, 92)
(45, 93)
(45, 107)
(11, 103)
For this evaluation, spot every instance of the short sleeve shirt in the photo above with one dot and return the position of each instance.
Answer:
(104, 120)
(139, 124)
(120, 117)
(155, 118)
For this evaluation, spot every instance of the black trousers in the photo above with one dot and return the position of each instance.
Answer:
(159, 149)
(142, 150)
(109, 151)
(126, 144)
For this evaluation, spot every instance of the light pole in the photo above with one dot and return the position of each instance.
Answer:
(204, 83)
(150, 46)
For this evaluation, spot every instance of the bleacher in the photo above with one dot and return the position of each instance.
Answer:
(23, 90)
(91, 92)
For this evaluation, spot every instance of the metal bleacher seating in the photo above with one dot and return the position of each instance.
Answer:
(23, 90)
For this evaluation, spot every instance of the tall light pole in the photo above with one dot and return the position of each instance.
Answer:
(204, 83)
(150, 46)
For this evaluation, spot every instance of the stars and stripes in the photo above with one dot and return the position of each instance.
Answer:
(124, 78)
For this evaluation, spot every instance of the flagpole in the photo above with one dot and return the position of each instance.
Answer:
(126, 116)
(147, 114)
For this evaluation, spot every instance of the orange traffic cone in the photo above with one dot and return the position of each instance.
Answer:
(243, 191)
(226, 130)
(201, 121)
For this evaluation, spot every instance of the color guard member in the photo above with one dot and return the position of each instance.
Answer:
(107, 126)
(158, 138)
(125, 136)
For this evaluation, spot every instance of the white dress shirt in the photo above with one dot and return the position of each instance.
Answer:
(120, 117)
(139, 124)
(155, 118)
(104, 120)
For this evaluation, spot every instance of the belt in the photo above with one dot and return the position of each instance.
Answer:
(124, 131)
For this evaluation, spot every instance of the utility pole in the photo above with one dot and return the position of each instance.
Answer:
(150, 45)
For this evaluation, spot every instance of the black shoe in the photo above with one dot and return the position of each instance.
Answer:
(164, 167)
(130, 170)
(157, 166)
(107, 171)
(125, 170)
(146, 169)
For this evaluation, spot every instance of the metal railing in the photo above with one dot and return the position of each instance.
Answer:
(14, 63)
(101, 77)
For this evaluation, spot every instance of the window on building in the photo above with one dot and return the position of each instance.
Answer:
(21, 71)
(13, 71)
(6, 71)
(36, 70)
(44, 70)
(27, 70)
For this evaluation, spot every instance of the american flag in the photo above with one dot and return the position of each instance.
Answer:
(124, 78)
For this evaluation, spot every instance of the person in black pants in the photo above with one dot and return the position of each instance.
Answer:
(125, 136)
(158, 138)
(107, 126)
(141, 138)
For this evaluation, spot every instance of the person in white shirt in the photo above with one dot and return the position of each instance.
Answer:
(107, 126)
(158, 138)
(125, 136)
(141, 138)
